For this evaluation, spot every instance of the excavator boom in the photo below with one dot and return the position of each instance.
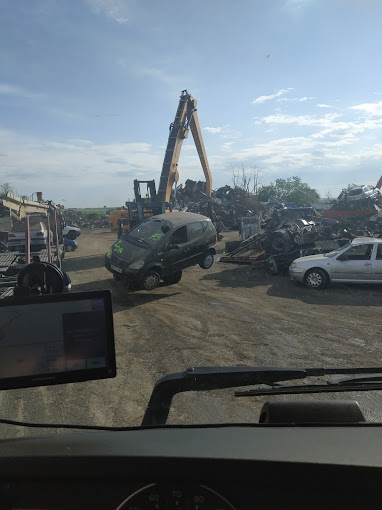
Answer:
(185, 118)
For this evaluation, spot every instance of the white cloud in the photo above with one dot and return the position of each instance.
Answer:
(374, 109)
(226, 147)
(15, 90)
(295, 99)
(321, 105)
(213, 130)
(52, 166)
(262, 99)
(300, 120)
(116, 10)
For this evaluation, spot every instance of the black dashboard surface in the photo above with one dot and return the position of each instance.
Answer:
(244, 466)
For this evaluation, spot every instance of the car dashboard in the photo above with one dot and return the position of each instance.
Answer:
(214, 467)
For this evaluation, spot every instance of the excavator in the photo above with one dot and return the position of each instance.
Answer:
(157, 202)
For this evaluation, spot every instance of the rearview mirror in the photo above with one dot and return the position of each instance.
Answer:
(175, 247)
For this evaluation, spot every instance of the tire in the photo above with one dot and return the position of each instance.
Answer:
(150, 281)
(173, 278)
(316, 279)
(280, 243)
(69, 248)
(116, 278)
(207, 260)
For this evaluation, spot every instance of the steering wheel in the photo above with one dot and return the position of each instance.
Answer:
(41, 278)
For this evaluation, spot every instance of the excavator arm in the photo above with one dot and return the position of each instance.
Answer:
(186, 118)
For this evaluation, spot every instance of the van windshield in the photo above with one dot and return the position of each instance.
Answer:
(150, 232)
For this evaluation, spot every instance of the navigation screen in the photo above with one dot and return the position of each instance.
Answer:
(42, 338)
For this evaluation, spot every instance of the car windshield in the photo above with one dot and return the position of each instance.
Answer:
(149, 232)
(357, 191)
(261, 122)
(337, 251)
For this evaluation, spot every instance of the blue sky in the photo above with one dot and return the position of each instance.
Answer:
(88, 89)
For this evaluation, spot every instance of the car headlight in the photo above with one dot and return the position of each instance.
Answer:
(293, 264)
(137, 265)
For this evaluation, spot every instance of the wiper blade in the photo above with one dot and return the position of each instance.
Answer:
(353, 384)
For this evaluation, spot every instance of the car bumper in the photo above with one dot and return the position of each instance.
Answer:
(132, 276)
(297, 275)
(21, 242)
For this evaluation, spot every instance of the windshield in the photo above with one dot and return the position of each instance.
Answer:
(333, 253)
(240, 115)
(148, 233)
(357, 191)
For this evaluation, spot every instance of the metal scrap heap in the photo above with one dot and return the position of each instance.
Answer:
(226, 206)
(288, 233)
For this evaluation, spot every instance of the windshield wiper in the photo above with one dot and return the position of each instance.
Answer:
(353, 384)
(212, 378)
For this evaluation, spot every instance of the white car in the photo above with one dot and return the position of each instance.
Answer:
(71, 232)
(360, 261)
(38, 232)
(363, 192)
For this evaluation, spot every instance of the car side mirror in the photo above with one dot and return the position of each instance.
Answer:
(175, 247)
(343, 257)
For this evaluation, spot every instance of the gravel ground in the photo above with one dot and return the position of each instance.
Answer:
(228, 315)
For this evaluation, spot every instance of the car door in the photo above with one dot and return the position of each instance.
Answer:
(354, 264)
(174, 258)
(377, 263)
(196, 246)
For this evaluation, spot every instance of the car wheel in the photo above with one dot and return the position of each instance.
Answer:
(69, 248)
(150, 281)
(173, 278)
(116, 277)
(280, 243)
(316, 279)
(207, 260)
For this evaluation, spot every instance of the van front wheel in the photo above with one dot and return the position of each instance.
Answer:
(150, 281)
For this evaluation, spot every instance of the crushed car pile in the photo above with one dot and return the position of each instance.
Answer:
(225, 208)
(287, 234)
(78, 219)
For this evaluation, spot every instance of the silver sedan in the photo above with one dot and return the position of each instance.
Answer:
(360, 261)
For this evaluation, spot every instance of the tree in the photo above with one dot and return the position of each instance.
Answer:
(291, 189)
(6, 188)
(247, 179)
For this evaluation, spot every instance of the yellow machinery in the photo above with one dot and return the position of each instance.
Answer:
(186, 118)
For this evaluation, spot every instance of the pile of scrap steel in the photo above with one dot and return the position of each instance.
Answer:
(358, 207)
(226, 206)
(288, 233)
(78, 219)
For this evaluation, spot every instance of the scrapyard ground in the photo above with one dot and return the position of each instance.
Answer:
(229, 315)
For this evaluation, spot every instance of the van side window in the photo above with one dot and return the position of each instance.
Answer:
(195, 230)
(379, 252)
(179, 236)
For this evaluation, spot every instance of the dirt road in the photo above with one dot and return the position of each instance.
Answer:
(229, 315)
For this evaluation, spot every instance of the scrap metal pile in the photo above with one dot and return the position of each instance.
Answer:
(226, 207)
(289, 233)
(78, 219)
